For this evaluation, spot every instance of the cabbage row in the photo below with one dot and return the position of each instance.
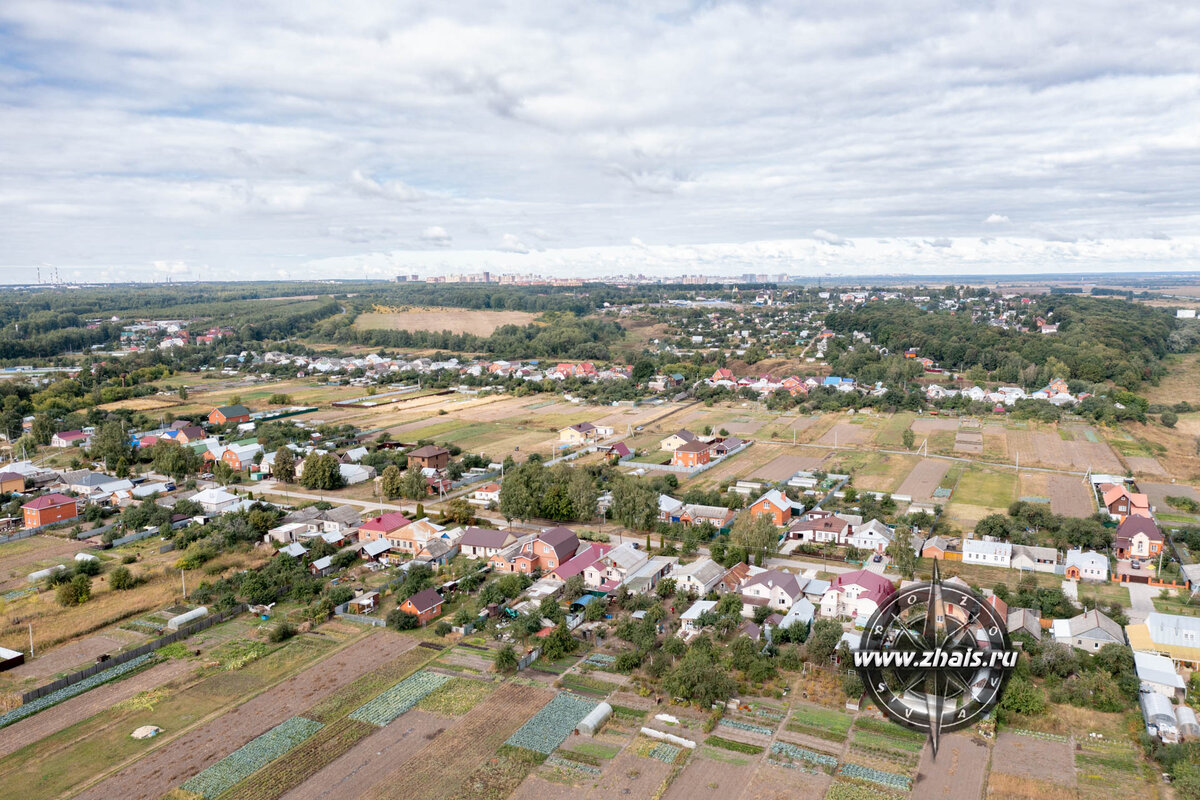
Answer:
(889, 779)
(251, 757)
(547, 729)
(67, 692)
(566, 763)
(666, 753)
(398, 699)
(803, 754)
(746, 726)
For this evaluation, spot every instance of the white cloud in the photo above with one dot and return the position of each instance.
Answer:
(262, 145)
(436, 235)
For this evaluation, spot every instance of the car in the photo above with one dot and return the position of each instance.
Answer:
(1135, 564)
(877, 558)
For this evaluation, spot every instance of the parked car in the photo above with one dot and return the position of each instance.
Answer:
(877, 558)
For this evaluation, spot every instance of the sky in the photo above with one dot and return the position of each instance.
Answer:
(147, 140)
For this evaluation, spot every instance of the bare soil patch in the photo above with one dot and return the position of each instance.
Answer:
(958, 771)
(17, 558)
(783, 467)
(845, 433)
(165, 768)
(779, 783)
(924, 478)
(1145, 465)
(535, 787)
(63, 659)
(356, 771)
(968, 441)
(1034, 758)
(629, 775)
(704, 779)
(933, 425)
(477, 322)
(743, 428)
(149, 403)
(1158, 493)
(1070, 496)
(1048, 449)
(63, 715)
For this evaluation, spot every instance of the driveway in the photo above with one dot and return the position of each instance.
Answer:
(1071, 590)
(1141, 600)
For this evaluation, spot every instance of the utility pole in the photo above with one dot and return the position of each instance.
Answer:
(183, 580)
(31, 640)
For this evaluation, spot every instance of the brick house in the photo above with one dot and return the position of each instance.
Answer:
(693, 454)
(775, 505)
(424, 605)
(384, 527)
(544, 552)
(1138, 537)
(223, 415)
(11, 482)
(429, 457)
(49, 508)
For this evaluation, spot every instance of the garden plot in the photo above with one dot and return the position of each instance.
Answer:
(1145, 465)
(1070, 496)
(463, 659)
(629, 775)
(933, 425)
(781, 468)
(772, 782)
(73, 690)
(554, 723)
(958, 771)
(248, 759)
(80, 654)
(358, 769)
(968, 442)
(923, 479)
(399, 699)
(1158, 493)
(712, 777)
(845, 433)
(151, 777)
(448, 760)
(1049, 449)
(19, 558)
(1112, 770)
(1036, 758)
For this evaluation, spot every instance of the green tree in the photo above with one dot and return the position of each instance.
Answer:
(173, 459)
(183, 393)
(823, 640)
(908, 438)
(1022, 696)
(284, 468)
(111, 445)
(757, 533)
(698, 677)
(402, 620)
(413, 485)
(506, 659)
(900, 550)
(391, 482)
(634, 504)
(1169, 418)
(74, 592)
(581, 491)
(522, 492)
(122, 579)
(321, 472)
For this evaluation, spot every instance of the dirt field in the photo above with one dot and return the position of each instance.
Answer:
(968, 442)
(843, 433)
(1158, 493)
(1070, 496)
(17, 558)
(933, 425)
(924, 478)
(629, 775)
(1144, 465)
(358, 770)
(1034, 758)
(63, 659)
(148, 403)
(1048, 449)
(449, 758)
(783, 467)
(779, 783)
(55, 718)
(958, 771)
(478, 322)
(163, 769)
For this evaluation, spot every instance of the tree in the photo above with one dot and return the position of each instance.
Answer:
(506, 659)
(698, 677)
(581, 491)
(321, 471)
(1022, 696)
(111, 445)
(1169, 418)
(643, 371)
(413, 485)
(594, 611)
(908, 438)
(285, 465)
(173, 459)
(122, 468)
(757, 533)
(823, 640)
(459, 511)
(74, 592)
(402, 620)
(574, 588)
(634, 504)
(522, 491)
(122, 579)
(900, 550)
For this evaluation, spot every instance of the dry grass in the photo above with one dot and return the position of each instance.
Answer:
(148, 403)
(1014, 787)
(455, 320)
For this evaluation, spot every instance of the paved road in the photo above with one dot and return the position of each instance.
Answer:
(1141, 600)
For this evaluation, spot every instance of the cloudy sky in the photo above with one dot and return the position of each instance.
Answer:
(237, 140)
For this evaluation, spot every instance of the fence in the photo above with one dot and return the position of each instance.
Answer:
(96, 531)
(528, 659)
(129, 655)
(341, 613)
(17, 536)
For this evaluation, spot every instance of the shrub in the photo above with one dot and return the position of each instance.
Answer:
(282, 632)
(442, 628)
(122, 579)
(402, 620)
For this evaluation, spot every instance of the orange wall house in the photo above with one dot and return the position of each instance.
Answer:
(692, 454)
(774, 505)
(49, 508)
(425, 605)
(224, 414)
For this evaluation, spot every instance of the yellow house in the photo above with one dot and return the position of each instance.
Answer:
(582, 433)
(1171, 635)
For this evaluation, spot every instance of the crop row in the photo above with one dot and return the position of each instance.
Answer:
(547, 729)
(565, 763)
(67, 692)
(746, 726)
(792, 765)
(1048, 737)
(284, 774)
(399, 699)
(666, 753)
(803, 754)
(251, 757)
(888, 779)
(845, 790)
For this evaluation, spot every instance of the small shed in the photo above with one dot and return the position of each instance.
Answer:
(365, 603)
(10, 658)
(595, 719)
(1159, 716)
(1188, 726)
(174, 623)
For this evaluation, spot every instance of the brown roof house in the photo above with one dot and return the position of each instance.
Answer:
(425, 605)
(429, 457)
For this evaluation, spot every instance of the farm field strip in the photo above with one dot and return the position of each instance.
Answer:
(75, 689)
(400, 698)
(250, 757)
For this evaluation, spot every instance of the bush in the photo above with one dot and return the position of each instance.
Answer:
(442, 628)
(74, 592)
(402, 620)
(122, 579)
(282, 632)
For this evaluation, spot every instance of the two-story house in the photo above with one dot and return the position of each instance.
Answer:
(773, 588)
(774, 505)
(855, 595)
(1138, 537)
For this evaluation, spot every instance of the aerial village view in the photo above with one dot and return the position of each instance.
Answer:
(672, 400)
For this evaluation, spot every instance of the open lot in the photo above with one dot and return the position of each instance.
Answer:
(1046, 448)
(923, 479)
(845, 433)
(958, 771)
(62, 659)
(1031, 757)
(19, 558)
(1070, 496)
(1144, 465)
(784, 467)
(779, 783)
(1158, 493)
(478, 322)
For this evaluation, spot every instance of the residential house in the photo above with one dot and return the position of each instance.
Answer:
(873, 536)
(11, 482)
(689, 620)
(1138, 537)
(385, 527)
(581, 433)
(693, 454)
(802, 612)
(223, 415)
(429, 457)
(717, 516)
(775, 505)
(942, 547)
(64, 439)
(1033, 558)
(214, 500)
(1120, 503)
(1158, 674)
(48, 509)
(725, 446)
(1088, 631)
(700, 577)
(588, 555)
(856, 595)
(238, 456)
(321, 566)
(484, 543)
(365, 603)
(986, 551)
(1086, 566)
(1025, 620)
(355, 473)
(735, 576)
(544, 552)
(1171, 635)
(486, 495)
(438, 550)
(773, 588)
(614, 567)
(669, 509)
(425, 605)
(376, 550)
(677, 440)
(822, 527)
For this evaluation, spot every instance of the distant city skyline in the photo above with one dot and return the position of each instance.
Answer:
(223, 141)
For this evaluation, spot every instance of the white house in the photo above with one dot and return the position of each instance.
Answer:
(1085, 566)
(612, 568)
(855, 595)
(699, 577)
(988, 552)
(874, 536)
(486, 495)
(773, 588)
(687, 620)
(214, 500)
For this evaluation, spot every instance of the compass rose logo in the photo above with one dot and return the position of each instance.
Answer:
(935, 657)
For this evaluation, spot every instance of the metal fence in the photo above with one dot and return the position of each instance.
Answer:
(17, 536)
(341, 613)
(129, 655)
(528, 659)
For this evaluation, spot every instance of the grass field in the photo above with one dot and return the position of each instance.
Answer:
(478, 322)
(990, 488)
